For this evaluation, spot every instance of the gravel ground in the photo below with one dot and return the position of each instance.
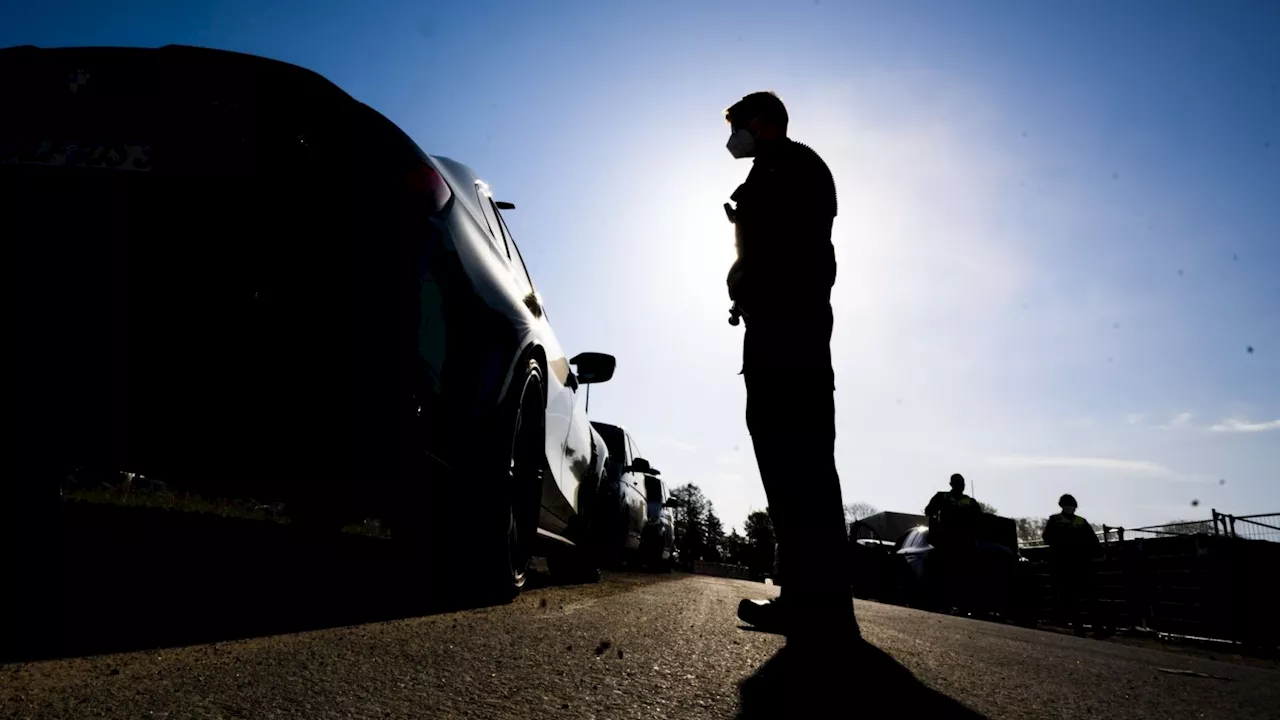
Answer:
(644, 647)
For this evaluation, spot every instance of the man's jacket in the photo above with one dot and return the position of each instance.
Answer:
(784, 214)
(953, 518)
(1071, 538)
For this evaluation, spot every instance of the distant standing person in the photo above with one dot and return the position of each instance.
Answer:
(953, 527)
(782, 284)
(951, 512)
(1073, 547)
(944, 500)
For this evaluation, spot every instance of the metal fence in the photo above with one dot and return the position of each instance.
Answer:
(1105, 535)
(1188, 527)
(1204, 578)
(739, 572)
(1262, 526)
(1265, 526)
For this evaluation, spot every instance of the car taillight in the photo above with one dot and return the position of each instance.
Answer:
(428, 184)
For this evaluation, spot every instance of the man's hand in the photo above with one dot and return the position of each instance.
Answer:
(734, 278)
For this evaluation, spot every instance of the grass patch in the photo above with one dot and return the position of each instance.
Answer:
(368, 528)
(129, 490)
(125, 496)
(178, 502)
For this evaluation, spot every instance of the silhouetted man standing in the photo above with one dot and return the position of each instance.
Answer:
(953, 528)
(951, 513)
(1073, 547)
(782, 283)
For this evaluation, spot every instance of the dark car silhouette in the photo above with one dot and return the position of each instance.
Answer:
(230, 274)
(979, 581)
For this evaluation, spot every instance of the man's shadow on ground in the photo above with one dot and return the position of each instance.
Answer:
(839, 679)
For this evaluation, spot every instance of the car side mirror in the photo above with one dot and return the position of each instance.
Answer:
(671, 503)
(640, 465)
(593, 367)
(505, 205)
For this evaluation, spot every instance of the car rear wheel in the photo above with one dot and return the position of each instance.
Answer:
(609, 527)
(469, 531)
(521, 489)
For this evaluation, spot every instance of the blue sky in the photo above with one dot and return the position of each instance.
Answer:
(1059, 228)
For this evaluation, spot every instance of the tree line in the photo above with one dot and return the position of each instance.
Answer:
(700, 532)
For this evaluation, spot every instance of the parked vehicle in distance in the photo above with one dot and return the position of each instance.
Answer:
(874, 568)
(978, 581)
(658, 539)
(234, 276)
(624, 508)
(871, 566)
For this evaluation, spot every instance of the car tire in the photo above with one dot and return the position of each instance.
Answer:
(504, 553)
(650, 553)
(469, 532)
(505, 501)
(610, 537)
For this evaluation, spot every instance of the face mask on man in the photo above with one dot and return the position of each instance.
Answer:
(742, 144)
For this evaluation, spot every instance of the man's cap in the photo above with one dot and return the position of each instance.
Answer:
(1066, 500)
(957, 477)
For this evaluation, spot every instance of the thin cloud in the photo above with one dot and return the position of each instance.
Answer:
(1181, 420)
(1244, 426)
(1134, 418)
(1140, 467)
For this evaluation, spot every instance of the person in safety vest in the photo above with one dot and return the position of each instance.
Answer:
(1073, 547)
(953, 529)
(951, 515)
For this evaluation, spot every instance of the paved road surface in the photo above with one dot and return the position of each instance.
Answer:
(636, 647)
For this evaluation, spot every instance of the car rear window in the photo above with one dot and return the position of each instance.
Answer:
(614, 440)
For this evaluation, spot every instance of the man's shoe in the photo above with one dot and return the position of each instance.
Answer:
(775, 616)
(764, 615)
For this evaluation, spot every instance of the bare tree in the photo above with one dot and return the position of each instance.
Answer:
(858, 510)
(1030, 529)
